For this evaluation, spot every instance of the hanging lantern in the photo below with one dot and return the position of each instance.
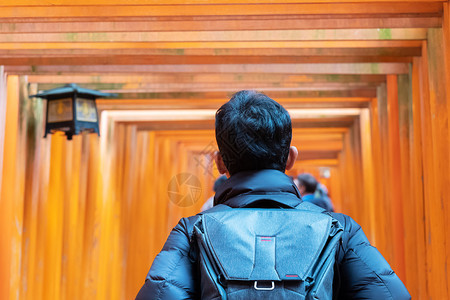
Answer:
(71, 109)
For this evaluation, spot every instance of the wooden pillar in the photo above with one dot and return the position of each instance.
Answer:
(112, 266)
(2, 117)
(446, 55)
(164, 165)
(439, 138)
(12, 190)
(360, 207)
(383, 174)
(408, 205)
(139, 212)
(32, 117)
(350, 165)
(73, 204)
(379, 231)
(5, 249)
(396, 197)
(8, 189)
(144, 214)
(369, 191)
(93, 225)
(336, 189)
(129, 178)
(429, 190)
(446, 47)
(53, 210)
(418, 180)
(346, 169)
(100, 246)
(135, 161)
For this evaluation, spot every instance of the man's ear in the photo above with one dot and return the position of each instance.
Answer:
(293, 153)
(220, 164)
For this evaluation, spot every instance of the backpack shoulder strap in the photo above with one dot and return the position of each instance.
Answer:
(216, 208)
(304, 205)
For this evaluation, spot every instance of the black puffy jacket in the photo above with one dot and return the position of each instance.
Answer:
(363, 272)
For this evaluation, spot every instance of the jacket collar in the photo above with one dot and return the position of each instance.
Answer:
(308, 197)
(244, 188)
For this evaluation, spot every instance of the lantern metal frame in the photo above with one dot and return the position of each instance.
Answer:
(74, 93)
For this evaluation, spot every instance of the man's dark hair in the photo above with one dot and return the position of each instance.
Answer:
(253, 132)
(308, 181)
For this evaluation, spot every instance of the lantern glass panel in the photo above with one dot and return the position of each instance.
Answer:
(86, 110)
(60, 110)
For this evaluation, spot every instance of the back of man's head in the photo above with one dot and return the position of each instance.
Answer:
(253, 132)
(308, 181)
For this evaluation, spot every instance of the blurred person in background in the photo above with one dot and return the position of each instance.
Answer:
(314, 192)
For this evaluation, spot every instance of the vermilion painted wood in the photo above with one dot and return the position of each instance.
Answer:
(430, 173)
(219, 86)
(97, 81)
(348, 168)
(2, 117)
(307, 68)
(211, 36)
(345, 19)
(335, 188)
(232, 9)
(237, 23)
(446, 51)
(190, 2)
(440, 140)
(418, 184)
(355, 140)
(136, 104)
(408, 209)
(368, 172)
(391, 48)
(310, 123)
(212, 45)
(381, 240)
(357, 144)
(160, 60)
(385, 183)
(18, 187)
(5, 251)
(396, 198)
(130, 185)
(8, 255)
(318, 162)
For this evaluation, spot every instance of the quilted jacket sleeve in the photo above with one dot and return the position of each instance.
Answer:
(171, 275)
(364, 273)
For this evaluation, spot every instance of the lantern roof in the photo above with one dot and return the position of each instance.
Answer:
(72, 88)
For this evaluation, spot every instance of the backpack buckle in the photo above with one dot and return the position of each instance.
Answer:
(264, 288)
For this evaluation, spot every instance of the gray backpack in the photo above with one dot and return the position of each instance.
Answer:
(266, 253)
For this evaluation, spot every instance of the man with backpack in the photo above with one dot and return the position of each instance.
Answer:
(260, 240)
